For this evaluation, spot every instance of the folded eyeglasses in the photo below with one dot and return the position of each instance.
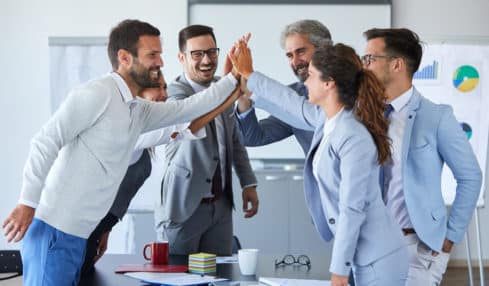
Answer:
(289, 259)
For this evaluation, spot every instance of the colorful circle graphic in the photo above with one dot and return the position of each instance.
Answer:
(466, 78)
(467, 129)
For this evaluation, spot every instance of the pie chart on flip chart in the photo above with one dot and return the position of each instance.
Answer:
(466, 78)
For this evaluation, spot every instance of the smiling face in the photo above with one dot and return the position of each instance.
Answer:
(156, 94)
(145, 69)
(299, 51)
(316, 86)
(199, 69)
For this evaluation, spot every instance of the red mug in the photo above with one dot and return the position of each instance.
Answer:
(159, 252)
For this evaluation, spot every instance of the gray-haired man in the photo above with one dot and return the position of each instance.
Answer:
(299, 40)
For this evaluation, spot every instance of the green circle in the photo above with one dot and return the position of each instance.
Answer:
(466, 78)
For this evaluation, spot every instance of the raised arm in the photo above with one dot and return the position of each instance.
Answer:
(272, 96)
(208, 117)
(168, 113)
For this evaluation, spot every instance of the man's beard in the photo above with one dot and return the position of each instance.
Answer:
(303, 75)
(143, 77)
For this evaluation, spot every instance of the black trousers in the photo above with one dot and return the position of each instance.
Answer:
(93, 242)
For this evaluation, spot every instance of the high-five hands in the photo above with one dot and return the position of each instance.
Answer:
(240, 56)
(228, 66)
(244, 103)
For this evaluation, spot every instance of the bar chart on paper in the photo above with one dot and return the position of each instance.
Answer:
(427, 72)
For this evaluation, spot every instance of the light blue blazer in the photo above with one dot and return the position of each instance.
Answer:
(432, 137)
(353, 212)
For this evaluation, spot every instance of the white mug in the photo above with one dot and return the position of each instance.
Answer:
(247, 259)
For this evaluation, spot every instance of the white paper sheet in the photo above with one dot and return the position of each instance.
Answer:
(292, 282)
(173, 279)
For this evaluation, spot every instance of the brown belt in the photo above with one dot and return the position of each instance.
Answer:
(208, 200)
(407, 231)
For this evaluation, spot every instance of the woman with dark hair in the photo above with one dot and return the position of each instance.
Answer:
(341, 174)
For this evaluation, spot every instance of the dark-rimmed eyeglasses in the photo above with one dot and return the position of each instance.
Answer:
(196, 55)
(367, 59)
(289, 259)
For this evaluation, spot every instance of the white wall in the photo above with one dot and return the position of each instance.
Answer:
(24, 88)
(25, 26)
(449, 19)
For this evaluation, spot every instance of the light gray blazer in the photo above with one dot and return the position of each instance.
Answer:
(433, 137)
(352, 212)
(191, 164)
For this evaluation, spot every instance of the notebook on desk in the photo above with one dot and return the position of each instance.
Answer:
(123, 268)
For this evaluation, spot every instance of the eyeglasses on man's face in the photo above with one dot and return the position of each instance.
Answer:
(290, 260)
(368, 58)
(198, 55)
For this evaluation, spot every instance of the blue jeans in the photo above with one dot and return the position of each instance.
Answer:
(51, 257)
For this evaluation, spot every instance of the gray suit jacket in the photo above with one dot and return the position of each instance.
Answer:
(191, 165)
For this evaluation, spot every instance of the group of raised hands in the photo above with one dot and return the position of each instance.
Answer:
(239, 62)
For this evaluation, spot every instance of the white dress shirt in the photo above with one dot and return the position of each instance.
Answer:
(328, 128)
(163, 136)
(219, 133)
(394, 193)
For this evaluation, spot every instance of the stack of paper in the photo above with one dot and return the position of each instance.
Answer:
(272, 281)
(174, 279)
(202, 263)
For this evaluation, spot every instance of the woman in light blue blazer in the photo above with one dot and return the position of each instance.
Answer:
(341, 175)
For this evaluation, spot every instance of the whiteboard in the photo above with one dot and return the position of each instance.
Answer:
(266, 21)
(437, 79)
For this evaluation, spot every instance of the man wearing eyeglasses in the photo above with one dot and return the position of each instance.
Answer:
(195, 214)
(424, 137)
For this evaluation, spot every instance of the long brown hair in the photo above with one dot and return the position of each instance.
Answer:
(358, 89)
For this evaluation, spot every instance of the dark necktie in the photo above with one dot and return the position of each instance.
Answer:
(216, 188)
(388, 110)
